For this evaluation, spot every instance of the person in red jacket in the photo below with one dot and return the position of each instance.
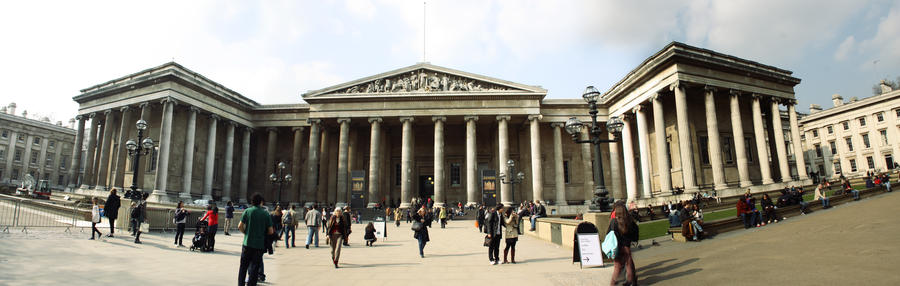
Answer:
(211, 217)
(742, 210)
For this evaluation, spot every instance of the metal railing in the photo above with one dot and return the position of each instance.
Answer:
(27, 213)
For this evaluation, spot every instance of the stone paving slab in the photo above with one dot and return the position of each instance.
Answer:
(454, 256)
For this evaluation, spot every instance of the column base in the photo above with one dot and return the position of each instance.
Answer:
(370, 205)
(562, 203)
(508, 204)
(720, 187)
(803, 178)
(226, 199)
(768, 181)
(242, 201)
(470, 204)
(440, 205)
(745, 184)
(404, 205)
(158, 196)
(691, 190)
(207, 197)
(305, 205)
(185, 196)
(100, 188)
(340, 205)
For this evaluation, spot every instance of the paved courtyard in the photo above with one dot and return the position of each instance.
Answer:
(453, 257)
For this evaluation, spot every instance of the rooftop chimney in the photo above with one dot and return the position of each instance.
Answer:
(3, 109)
(11, 108)
(58, 123)
(813, 108)
(837, 100)
(72, 123)
(885, 88)
(853, 99)
(25, 113)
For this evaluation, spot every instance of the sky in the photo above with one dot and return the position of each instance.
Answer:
(273, 51)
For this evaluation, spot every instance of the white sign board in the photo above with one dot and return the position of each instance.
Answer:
(380, 228)
(589, 248)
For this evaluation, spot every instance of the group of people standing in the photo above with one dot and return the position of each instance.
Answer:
(501, 222)
(111, 211)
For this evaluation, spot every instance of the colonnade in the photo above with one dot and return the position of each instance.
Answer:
(679, 90)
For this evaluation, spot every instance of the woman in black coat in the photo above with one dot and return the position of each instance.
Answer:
(421, 235)
(111, 209)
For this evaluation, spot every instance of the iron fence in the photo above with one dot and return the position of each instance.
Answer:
(27, 213)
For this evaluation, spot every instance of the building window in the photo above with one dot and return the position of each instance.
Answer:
(815, 133)
(49, 160)
(17, 156)
(852, 165)
(2, 154)
(830, 129)
(34, 157)
(14, 175)
(5, 133)
(818, 151)
(36, 141)
(884, 138)
(728, 149)
(862, 121)
(21, 138)
(397, 176)
(897, 111)
(833, 147)
(879, 116)
(63, 161)
(866, 141)
(565, 171)
(849, 143)
(154, 156)
(837, 167)
(454, 174)
(61, 179)
(703, 144)
(871, 162)
(52, 144)
(749, 149)
(846, 125)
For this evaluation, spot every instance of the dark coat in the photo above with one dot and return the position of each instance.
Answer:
(347, 222)
(424, 231)
(111, 209)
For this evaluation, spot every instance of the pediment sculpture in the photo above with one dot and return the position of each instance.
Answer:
(423, 81)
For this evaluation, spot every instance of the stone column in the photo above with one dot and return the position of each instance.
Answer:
(42, 161)
(472, 196)
(103, 170)
(795, 141)
(406, 162)
(737, 129)
(97, 152)
(712, 133)
(270, 162)
(55, 167)
(343, 173)
(296, 168)
(779, 142)
(245, 163)
(439, 195)
(662, 152)
(615, 172)
(628, 150)
(122, 152)
(312, 163)
(76, 153)
(503, 154)
(643, 149)
(684, 137)
(10, 153)
(229, 161)
(558, 171)
(587, 166)
(537, 174)
(760, 135)
(165, 145)
(89, 161)
(188, 159)
(146, 111)
(324, 167)
(210, 157)
(375, 162)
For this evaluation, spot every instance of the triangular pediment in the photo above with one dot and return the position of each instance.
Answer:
(425, 78)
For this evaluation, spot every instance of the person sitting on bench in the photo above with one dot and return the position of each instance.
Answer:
(743, 211)
(798, 197)
(650, 211)
(849, 189)
(820, 195)
(674, 220)
(769, 209)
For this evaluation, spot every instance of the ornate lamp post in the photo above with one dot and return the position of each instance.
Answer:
(614, 125)
(280, 178)
(136, 151)
(510, 179)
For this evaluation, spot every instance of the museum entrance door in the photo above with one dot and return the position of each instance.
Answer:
(426, 187)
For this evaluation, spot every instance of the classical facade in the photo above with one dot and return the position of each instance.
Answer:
(34, 147)
(855, 137)
(694, 118)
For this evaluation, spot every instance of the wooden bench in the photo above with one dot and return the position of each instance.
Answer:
(716, 227)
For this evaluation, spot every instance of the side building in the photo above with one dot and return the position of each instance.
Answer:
(34, 147)
(855, 137)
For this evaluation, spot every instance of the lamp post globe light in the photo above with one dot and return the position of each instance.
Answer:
(136, 151)
(280, 178)
(614, 125)
(511, 180)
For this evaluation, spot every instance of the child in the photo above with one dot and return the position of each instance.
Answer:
(95, 218)
(370, 234)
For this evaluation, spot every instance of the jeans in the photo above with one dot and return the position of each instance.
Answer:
(533, 221)
(179, 234)
(746, 219)
(855, 194)
(422, 242)
(494, 248)
(112, 225)
(697, 227)
(313, 231)
(887, 185)
(289, 234)
(94, 229)
(211, 241)
(825, 202)
(251, 260)
(803, 206)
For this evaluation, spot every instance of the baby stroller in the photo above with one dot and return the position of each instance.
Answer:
(200, 238)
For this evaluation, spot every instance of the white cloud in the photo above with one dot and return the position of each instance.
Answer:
(884, 46)
(363, 8)
(845, 48)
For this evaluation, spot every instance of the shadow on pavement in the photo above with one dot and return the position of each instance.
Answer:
(456, 254)
(350, 265)
(647, 270)
(654, 264)
(660, 278)
(656, 272)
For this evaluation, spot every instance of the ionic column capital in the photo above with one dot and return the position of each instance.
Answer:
(756, 96)
(503, 117)
(214, 116)
(734, 92)
(375, 119)
(92, 115)
(107, 112)
(557, 124)
(343, 120)
(676, 85)
(537, 117)
(314, 121)
(248, 129)
(79, 117)
(194, 109)
(710, 88)
(272, 129)
(123, 109)
(637, 108)
(439, 118)
(232, 123)
(656, 96)
(168, 100)
(297, 128)
(468, 118)
(143, 105)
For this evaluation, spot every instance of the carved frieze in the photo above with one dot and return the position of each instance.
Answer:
(421, 80)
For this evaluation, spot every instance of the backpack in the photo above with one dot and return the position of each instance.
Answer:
(610, 245)
(180, 215)
(288, 218)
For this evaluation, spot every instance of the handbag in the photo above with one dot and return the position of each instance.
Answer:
(145, 227)
(487, 241)
(417, 226)
(610, 245)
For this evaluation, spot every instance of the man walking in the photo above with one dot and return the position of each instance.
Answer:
(289, 222)
(347, 225)
(112, 210)
(229, 216)
(493, 223)
(255, 224)
(313, 217)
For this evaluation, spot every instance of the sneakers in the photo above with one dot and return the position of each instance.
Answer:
(91, 238)
(307, 246)
(493, 262)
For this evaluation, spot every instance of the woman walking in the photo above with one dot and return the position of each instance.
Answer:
(370, 234)
(180, 219)
(335, 226)
(276, 222)
(212, 218)
(95, 218)
(512, 235)
(397, 216)
(626, 231)
(420, 227)
(111, 209)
